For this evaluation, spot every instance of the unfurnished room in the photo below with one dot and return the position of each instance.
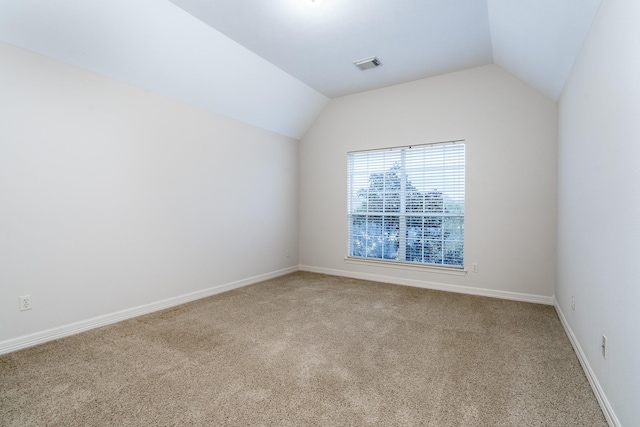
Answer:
(319, 212)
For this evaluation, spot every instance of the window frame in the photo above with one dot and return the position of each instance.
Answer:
(401, 213)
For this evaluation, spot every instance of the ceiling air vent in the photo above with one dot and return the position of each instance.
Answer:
(365, 64)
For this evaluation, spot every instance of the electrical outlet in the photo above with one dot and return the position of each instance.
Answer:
(25, 302)
(573, 302)
(604, 346)
(474, 267)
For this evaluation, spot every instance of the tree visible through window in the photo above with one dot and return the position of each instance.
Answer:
(407, 204)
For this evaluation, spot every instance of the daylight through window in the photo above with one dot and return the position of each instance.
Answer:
(406, 204)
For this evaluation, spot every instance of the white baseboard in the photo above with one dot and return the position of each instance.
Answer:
(612, 420)
(515, 296)
(30, 340)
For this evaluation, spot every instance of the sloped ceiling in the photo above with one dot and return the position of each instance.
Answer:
(275, 63)
(538, 40)
(319, 42)
(155, 45)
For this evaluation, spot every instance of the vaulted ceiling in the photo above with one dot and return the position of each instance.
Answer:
(274, 63)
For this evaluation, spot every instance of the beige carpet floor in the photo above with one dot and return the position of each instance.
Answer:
(308, 349)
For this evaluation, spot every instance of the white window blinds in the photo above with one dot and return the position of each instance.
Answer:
(407, 204)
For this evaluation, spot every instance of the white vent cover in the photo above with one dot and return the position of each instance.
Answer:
(365, 64)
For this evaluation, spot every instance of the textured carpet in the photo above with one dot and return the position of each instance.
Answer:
(309, 349)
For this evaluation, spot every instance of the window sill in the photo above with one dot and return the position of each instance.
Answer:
(408, 266)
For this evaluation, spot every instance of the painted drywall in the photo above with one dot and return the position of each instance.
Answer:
(158, 46)
(113, 197)
(511, 140)
(599, 204)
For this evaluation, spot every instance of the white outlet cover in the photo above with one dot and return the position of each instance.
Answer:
(25, 302)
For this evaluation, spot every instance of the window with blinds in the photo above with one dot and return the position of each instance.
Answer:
(406, 204)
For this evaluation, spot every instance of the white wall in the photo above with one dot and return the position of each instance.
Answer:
(511, 135)
(113, 197)
(599, 204)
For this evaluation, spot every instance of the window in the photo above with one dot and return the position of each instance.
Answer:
(406, 204)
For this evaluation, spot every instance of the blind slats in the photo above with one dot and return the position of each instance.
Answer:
(407, 204)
